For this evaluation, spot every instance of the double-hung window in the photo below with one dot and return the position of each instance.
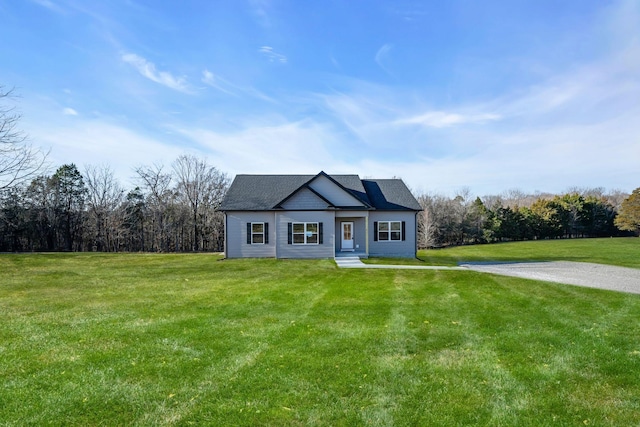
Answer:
(387, 231)
(305, 233)
(257, 233)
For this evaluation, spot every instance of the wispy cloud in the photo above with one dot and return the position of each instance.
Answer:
(263, 145)
(49, 5)
(259, 8)
(441, 119)
(108, 141)
(148, 70)
(69, 112)
(217, 82)
(381, 56)
(272, 55)
(225, 86)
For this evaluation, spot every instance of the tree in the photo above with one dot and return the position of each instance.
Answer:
(477, 218)
(69, 193)
(19, 161)
(202, 188)
(13, 220)
(629, 216)
(134, 215)
(40, 200)
(157, 184)
(545, 219)
(104, 199)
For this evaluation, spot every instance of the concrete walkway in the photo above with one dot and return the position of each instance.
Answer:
(354, 262)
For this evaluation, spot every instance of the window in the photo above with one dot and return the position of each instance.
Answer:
(305, 233)
(257, 233)
(387, 231)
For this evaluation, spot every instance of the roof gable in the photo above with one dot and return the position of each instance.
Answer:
(305, 198)
(334, 192)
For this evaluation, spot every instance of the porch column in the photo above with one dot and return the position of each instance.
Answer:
(366, 234)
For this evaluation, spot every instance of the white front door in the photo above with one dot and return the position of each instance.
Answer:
(347, 236)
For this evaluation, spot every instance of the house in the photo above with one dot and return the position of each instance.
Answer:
(318, 216)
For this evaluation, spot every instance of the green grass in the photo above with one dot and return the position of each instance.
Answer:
(618, 251)
(129, 339)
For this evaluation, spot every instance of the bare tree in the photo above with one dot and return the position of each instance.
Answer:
(18, 159)
(615, 197)
(104, 200)
(427, 227)
(157, 184)
(202, 188)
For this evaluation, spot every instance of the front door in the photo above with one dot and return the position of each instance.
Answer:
(347, 236)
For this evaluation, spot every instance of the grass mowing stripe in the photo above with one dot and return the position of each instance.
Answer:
(179, 340)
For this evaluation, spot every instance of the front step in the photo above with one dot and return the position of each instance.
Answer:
(349, 262)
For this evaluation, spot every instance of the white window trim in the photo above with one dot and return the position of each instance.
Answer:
(257, 233)
(317, 233)
(389, 231)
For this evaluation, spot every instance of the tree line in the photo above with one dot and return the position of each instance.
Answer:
(176, 209)
(171, 210)
(463, 219)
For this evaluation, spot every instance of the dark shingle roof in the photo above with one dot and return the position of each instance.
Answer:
(260, 192)
(265, 192)
(390, 194)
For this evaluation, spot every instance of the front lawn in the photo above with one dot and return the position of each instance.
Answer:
(131, 339)
(623, 252)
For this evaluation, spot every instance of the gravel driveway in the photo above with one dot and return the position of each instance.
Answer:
(572, 273)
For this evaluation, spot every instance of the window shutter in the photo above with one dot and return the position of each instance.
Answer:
(375, 231)
(266, 233)
(248, 233)
(320, 233)
(289, 233)
(403, 228)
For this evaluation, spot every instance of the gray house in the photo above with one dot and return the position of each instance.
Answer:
(318, 216)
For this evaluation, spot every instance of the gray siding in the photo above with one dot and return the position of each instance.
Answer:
(236, 236)
(325, 250)
(305, 200)
(406, 248)
(333, 192)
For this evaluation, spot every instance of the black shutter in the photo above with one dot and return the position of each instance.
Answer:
(266, 233)
(375, 231)
(289, 233)
(403, 228)
(320, 232)
(248, 233)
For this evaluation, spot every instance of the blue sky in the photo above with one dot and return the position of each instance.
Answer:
(490, 95)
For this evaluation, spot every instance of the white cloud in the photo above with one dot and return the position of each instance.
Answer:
(271, 146)
(69, 112)
(148, 70)
(382, 55)
(440, 119)
(223, 85)
(85, 142)
(271, 55)
(217, 82)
